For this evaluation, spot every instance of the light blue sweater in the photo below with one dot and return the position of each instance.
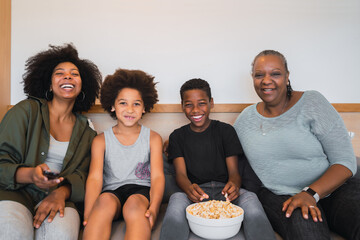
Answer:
(293, 150)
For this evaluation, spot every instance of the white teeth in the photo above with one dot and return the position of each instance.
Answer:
(197, 117)
(267, 90)
(67, 86)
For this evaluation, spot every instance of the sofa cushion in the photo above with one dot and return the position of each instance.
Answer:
(170, 181)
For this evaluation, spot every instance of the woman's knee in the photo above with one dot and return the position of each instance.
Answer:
(66, 227)
(16, 221)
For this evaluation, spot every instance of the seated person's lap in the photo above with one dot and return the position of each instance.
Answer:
(125, 191)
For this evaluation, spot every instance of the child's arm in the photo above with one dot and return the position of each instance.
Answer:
(192, 190)
(95, 179)
(231, 189)
(157, 177)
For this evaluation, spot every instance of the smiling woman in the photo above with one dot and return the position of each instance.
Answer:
(66, 81)
(291, 133)
(48, 66)
(45, 133)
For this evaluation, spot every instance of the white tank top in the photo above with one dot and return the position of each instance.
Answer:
(56, 154)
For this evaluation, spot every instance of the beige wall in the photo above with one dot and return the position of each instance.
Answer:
(211, 39)
(5, 36)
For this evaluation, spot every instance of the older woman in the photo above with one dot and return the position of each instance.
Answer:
(45, 147)
(298, 146)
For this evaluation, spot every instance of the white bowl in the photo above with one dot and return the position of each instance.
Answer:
(214, 228)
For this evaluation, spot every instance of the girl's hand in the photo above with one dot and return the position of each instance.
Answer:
(42, 181)
(86, 217)
(230, 191)
(53, 203)
(151, 216)
(195, 193)
(307, 204)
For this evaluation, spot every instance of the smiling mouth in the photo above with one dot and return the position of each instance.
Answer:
(129, 117)
(67, 86)
(197, 118)
(266, 90)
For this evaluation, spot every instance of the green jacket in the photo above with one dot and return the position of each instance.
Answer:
(24, 142)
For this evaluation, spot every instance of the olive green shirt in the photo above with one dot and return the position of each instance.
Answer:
(24, 142)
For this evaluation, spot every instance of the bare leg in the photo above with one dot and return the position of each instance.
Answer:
(105, 209)
(137, 225)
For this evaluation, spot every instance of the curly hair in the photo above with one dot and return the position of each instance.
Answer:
(123, 78)
(39, 69)
(195, 83)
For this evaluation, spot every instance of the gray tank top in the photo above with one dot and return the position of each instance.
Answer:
(126, 164)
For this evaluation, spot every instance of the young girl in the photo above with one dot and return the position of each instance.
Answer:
(119, 179)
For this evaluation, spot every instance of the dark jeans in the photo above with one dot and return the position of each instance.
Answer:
(340, 212)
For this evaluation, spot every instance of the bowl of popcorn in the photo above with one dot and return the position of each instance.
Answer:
(214, 219)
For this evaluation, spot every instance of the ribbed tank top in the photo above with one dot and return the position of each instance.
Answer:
(126, 164)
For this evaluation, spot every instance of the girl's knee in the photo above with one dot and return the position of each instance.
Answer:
(135, 207)
(107, 201)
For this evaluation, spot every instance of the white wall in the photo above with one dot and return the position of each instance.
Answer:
(212, 39)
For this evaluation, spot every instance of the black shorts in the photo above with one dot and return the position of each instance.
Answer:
(125, 191)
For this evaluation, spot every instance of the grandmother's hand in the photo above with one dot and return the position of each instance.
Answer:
(42, 181)
(307, 204)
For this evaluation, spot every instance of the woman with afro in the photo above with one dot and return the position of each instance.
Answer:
(45, 147)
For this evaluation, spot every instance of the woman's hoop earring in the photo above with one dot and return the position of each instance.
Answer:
(83, 96)
(46, 95)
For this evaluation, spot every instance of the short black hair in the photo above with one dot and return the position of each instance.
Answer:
(195, 83)
(39, 69)
(123, 78)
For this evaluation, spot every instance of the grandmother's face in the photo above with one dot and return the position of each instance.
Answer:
(66, 81)
(270, 79)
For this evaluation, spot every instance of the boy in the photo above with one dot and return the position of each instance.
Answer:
(204, 154)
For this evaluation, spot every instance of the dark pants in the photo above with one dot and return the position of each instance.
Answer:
(340, 212)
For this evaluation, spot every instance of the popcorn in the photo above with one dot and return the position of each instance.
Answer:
(215, 210)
